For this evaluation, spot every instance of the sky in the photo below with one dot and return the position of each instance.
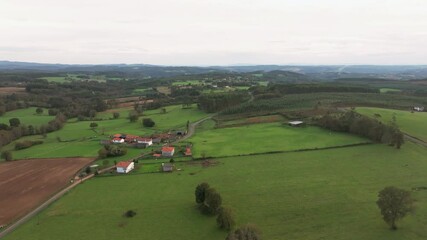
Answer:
(214, 32)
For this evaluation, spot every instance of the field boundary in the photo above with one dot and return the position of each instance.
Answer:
(289, 151)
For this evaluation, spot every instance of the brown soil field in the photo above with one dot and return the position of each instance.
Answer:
(10, 90)
(25, 184)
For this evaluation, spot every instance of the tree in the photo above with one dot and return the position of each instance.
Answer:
(133, 116)
(7, 156)
(93, 125)
(213, 201)
(39, 110)
(225, 219)
(148, 122)
(394, 204)
(116, 115)
(246, 232)
(201, 192)
(14, 122)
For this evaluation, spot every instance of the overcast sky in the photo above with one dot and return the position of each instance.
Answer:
(214, 32)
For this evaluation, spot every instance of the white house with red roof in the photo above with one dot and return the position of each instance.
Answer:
(168, 151)
(125, 166)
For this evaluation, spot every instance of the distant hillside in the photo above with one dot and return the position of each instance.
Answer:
(275, 72)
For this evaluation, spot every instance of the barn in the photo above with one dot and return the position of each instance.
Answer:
(168, 151)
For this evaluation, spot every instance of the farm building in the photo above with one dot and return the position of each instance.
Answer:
(167, 167)
(131, 138)
(125, 166)
(296, 123)
(168, 151)
(418, 109)
(118, 140)
(146, 141)
(188, 152)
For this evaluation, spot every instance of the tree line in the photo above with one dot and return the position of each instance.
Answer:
(17, 130)
(209, 202)
(218, 101)
(358, 124)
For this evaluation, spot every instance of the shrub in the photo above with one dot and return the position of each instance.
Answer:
(130, 213)
(148, 122)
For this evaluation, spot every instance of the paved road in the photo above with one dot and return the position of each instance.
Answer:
(40, 208)
(192, 129)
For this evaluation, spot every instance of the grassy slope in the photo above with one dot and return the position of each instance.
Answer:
(328, 194)
(27, 116)
(411, 123)
(261, 138)
(85, 142)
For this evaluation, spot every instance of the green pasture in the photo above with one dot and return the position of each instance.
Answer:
(188, 82)
(325, 194)
(266, 137)
(389, 90)
(27, 116)
(412, 123)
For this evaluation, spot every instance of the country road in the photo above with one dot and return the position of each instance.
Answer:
(40, 208)
(415, 140)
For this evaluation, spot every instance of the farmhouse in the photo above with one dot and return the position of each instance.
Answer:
(168, 151)
(118, 140)
(146, 141)
(167, 167)
(296, 123)
(125, 166)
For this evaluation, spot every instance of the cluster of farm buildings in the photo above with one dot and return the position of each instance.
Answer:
(166, 151)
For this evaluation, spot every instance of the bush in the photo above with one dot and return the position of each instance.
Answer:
(7, 156)
(247, 232)
(26, 144)
(130, 213)
(111, 151)
(148, 122)
(225, 219)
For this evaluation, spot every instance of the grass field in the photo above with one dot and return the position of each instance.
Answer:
(78, 139)
(328, 194)
(27, 116)
(74, 77)
(387, 90)
(413, 124)
(266, 137)
(189, 82)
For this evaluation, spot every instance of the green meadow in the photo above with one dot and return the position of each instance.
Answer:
(325, 194)
(189, 82)
(264, 138)
(27, 116)
(389, 90)
(412, 123)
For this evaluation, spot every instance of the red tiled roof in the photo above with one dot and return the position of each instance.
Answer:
(168, 149)
(157, 155)
(188, 151)
(131, 136)
(144, 139)
(117, 135)
(123, 164)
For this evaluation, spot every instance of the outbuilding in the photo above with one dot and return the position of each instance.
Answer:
(146, 141)
(167, 167)
(125, 166)
(296, 123)
(118, 140)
